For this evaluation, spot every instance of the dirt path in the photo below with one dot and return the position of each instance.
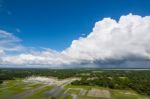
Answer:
(74, 96)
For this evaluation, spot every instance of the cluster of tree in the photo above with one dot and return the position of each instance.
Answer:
(136, 80)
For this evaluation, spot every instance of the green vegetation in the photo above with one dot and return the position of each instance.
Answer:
(40, 93)
(116, 94)
(122, 84)
(10, 74)
(73, 91)
(136, 80)
(124, 94)
(11, 87)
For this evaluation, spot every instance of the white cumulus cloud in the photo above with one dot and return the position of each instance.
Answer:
(110, 40)
(130, 36)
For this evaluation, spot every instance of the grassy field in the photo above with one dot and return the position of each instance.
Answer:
(40, 93)
(13, 89)
(115, 94)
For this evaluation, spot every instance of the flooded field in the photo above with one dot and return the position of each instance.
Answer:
(52, 88)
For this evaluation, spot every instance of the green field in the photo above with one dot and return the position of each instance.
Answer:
(116, 94)
(18, 89)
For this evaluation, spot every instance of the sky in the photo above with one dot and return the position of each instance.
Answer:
(75, 33)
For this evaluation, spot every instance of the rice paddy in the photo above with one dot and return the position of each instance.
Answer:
(61, 89)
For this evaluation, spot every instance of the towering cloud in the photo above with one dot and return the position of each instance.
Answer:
(110, 42)
(125, 39)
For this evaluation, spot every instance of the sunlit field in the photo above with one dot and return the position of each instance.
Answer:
(72, 84)
(38, 90)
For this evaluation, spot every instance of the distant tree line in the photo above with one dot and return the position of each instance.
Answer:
(10, 74)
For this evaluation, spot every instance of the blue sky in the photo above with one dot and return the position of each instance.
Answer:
(95, 33)
(55, 23)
